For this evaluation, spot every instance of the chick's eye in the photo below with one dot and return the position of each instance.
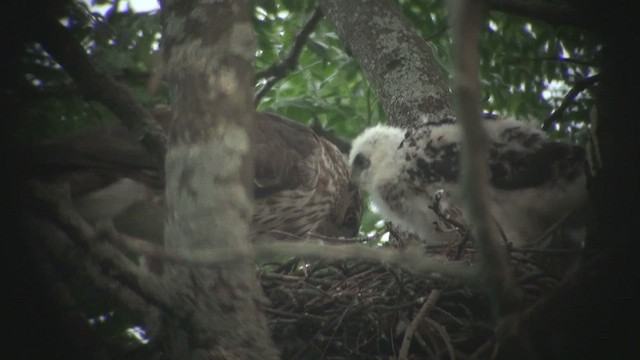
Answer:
(361, 161)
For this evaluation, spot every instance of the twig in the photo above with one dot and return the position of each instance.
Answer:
(437, 33)
(413, 262)
(459, 226)
(549, 251)
(335, 329)
(283, 235)
(314, 282)
(295, 315)
(461, 245)
(478, 354)
(408, 334)
(539, 251)
(556, 59)
(444, 335)
(407, 305)
(569, 98)
(553, 227)
(284, 67)
(400, 243)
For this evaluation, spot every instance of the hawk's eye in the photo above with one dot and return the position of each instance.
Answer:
(361, 161)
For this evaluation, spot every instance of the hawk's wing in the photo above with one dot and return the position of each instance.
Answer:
(285, 155)
(302, 181)
(523, 157)
(95, 160)
(534, 179)
(293, 176)
(345, 215)
(520, 156)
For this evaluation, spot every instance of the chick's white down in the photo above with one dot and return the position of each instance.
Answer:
(535, 180)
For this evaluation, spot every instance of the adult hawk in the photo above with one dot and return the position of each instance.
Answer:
(535, 180)
(301, 181)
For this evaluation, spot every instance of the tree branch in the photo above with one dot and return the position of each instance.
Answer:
(569, 98)
(99, 86)
(266, 248)
(55, 205)
(397, 61)
(284, 67)
(465, 17)
(408, 334)
(55, 276)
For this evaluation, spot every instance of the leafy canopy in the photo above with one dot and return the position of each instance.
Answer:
(527, 67)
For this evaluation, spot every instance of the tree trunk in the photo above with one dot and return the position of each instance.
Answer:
(209, 48)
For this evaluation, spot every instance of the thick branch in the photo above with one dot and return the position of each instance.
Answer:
(97, 85)
(399, 64)
(73, 244)
(83, 338)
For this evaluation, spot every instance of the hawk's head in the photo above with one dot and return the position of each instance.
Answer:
(345, 215)
(373, 155)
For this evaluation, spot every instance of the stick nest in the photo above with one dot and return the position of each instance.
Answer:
(362, 309)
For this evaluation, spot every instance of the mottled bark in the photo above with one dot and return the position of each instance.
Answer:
(399, 64)
(209, 47)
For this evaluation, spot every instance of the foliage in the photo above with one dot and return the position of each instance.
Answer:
(327, 85)
(122, 44)
(527, 67)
